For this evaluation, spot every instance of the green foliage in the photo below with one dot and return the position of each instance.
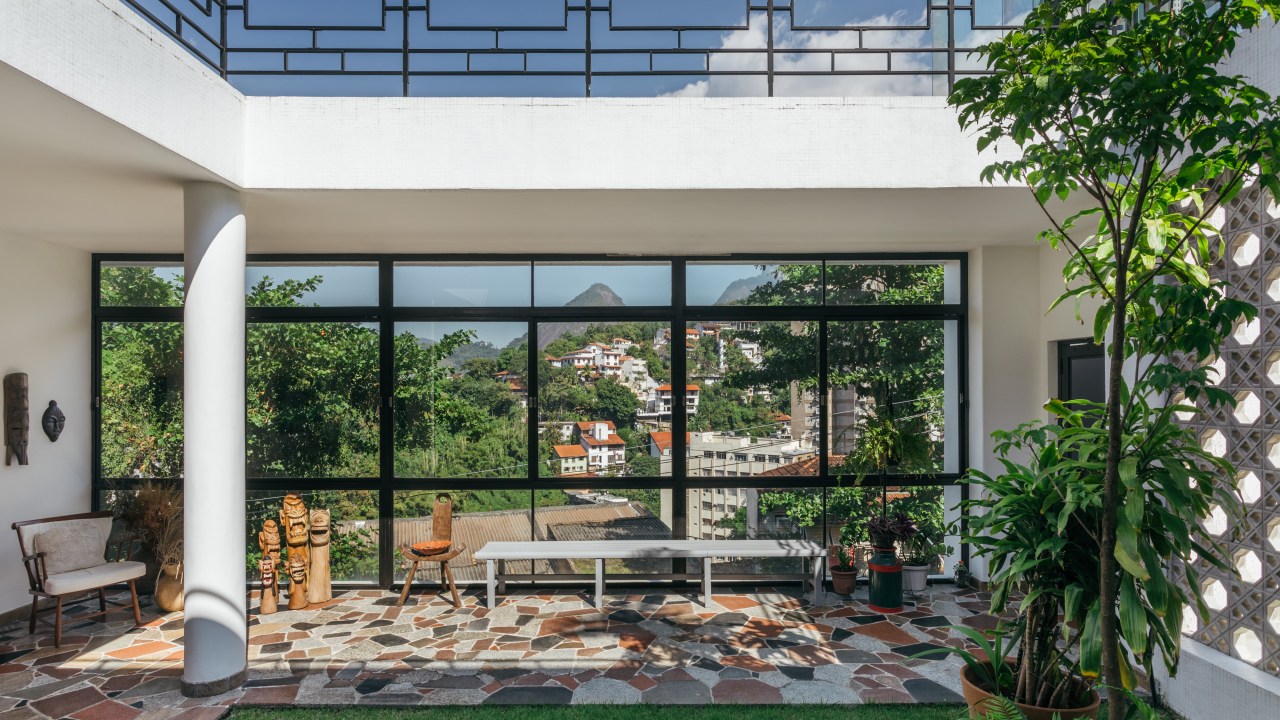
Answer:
(1124, 106)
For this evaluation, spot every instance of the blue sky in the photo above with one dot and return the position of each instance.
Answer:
(547, 25)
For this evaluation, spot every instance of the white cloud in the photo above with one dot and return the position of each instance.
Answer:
(820, 85)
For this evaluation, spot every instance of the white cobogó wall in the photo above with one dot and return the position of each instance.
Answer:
(45, 331)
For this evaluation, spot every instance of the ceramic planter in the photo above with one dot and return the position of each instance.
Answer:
(168, 594)
(977, 700)
(884, 575)
(843, 582)
(915, 579)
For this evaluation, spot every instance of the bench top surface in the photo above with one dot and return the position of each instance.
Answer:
(563, 549)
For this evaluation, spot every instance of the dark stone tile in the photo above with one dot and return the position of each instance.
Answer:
(372, 685)
(866, 619)
(388, 640)
(907, 651)
(840, 634)
(501, 674)
(279, 648)
(679, 692)
(932, 621)
(378, 624)
(546, 642)
(9, 657)
(630, 617)
(928, 691)
(797, 673)
(708, 664)
(736, 673)
(856, 657)
(523, 695)
(459, 682)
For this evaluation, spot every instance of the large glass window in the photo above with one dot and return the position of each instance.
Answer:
(140, 400)
(312, 400)
(462, 400)
(561, 398)
(604, 399)
(753, 398)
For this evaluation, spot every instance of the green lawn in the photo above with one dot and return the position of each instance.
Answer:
(618, 712)
(613, 712)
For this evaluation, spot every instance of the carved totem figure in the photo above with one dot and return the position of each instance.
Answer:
(269, 542)
(319, 586)
(17, 422)
(270, 587)
(53, 421)
(293, 517)
(297, 582)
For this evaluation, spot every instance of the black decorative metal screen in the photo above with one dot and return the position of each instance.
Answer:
(584, 48)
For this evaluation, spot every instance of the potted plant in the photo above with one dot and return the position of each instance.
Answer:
(153, 512)
(920, 555)
(884, 571)
(844, 571)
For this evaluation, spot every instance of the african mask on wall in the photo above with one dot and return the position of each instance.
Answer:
(17, 423)
(53, 421)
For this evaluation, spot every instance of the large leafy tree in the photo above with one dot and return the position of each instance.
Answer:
(1123, 110)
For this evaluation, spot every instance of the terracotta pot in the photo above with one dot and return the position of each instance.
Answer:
(977, 698)
(168, 595)
(915, 579)
(843, 582)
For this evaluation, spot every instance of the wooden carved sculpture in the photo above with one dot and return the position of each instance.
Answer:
(270, 588)
(297, 582)
(17, 422)
(53, 421)
(319, 586)
(293, 518)
(269, 542)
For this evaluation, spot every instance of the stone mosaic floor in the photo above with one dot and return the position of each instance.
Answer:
(750, 646)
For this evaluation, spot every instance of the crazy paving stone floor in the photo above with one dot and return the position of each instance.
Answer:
(751, 645)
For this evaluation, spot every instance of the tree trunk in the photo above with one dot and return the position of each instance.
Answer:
(1108, 583)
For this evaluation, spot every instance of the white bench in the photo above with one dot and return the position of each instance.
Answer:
(494, 552)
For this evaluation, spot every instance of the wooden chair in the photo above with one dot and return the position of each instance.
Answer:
(441, 532)
(113, 568)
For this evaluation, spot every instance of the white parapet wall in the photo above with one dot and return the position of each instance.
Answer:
(1214, 686)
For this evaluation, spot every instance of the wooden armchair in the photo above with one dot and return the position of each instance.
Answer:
(70, 556)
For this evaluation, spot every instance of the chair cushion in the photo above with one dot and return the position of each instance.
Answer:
(94, 577)
(71, 545)
(431, 547)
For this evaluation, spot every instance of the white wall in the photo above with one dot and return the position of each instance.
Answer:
(45, 332)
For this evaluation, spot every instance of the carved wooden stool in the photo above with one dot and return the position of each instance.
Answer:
(440, 549)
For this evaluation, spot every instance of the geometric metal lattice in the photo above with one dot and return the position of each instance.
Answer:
(1245, 613)
(586, 48)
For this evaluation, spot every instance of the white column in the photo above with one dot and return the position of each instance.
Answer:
(216, 630)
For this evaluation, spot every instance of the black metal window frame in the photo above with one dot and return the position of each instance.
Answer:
(205, 28)
(386, 315)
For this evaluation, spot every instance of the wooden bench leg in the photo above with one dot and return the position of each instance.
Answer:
(817, 579)
(35, 607)
(408, 582)
(57, 625)
(706, 582)
(599, 583)
(137, 613)
(502, 575)
(102, 600)
(491, 582)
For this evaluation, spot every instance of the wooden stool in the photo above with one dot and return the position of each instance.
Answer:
(446, 572)
(442, 533)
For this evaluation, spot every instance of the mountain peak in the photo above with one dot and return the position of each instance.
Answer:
(598, 295)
